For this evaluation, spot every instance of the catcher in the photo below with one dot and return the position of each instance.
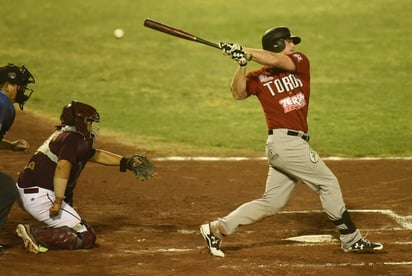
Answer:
(47, 182)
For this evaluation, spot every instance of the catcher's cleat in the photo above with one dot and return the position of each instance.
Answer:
(213, 243)
(30, 244)
(364, 246)
(1, 249)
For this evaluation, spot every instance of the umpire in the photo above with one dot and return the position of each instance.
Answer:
(13, 87)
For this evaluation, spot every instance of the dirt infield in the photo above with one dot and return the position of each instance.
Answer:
(151, 228)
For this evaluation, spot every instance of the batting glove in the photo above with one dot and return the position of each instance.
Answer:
(229, 48)
(240, 57)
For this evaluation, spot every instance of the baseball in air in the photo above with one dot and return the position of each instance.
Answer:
(118, 33)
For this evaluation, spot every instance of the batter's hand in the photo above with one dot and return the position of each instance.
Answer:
(240, 57)
(19, 145)
(229, 48)
(55, 209)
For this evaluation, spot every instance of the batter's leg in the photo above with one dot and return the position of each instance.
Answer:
(295, 157)
(278, 189)
(309, 168)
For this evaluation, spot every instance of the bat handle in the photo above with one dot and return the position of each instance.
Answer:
(200, 40)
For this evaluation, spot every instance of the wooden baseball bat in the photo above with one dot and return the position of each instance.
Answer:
(176, 32)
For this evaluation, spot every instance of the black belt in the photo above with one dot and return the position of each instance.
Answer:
(30, 190)
(293, 133)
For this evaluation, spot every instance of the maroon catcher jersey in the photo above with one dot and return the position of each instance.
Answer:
(62, 144)
(284, 95)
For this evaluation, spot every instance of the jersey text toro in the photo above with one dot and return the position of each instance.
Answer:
(285, 84)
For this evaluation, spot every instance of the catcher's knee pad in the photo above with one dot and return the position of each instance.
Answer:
(64, 238)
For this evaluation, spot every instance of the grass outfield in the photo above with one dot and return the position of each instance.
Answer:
(172, 95)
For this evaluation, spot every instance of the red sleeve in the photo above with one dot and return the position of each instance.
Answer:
(302, 65)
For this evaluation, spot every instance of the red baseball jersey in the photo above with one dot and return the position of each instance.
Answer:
(284, 95)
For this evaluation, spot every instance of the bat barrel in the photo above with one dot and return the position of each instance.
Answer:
(176, 32)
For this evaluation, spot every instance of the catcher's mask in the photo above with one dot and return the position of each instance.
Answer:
(274, 39)
(81, 116)
(20, 76)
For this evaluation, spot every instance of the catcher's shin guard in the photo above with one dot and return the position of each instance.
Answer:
(88, 237)
(64, 238)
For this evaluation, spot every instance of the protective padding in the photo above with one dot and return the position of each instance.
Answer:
(345, 224)
(64, 238)
(88, 238)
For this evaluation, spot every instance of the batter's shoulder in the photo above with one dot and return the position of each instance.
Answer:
(299, 56)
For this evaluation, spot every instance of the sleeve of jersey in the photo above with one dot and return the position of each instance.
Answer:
(301, 62)
(252, 82)
(68, 150)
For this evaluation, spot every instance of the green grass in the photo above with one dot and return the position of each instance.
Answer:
(172, 95)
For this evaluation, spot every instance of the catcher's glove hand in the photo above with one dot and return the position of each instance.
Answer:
(141, 166)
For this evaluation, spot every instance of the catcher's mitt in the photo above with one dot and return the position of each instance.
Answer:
(141, 166)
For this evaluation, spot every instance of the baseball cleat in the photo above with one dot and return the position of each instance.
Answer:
(213, 243)
(30, 244)
(364, 246)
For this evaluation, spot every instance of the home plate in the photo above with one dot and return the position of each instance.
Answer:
(313, 238)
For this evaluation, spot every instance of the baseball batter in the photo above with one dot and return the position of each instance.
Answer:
(282, 86)
(47, 182)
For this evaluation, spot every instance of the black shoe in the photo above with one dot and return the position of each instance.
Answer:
(363, 245)
(213, 243)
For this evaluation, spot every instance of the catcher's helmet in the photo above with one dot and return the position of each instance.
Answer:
(274, 39)
(80, 115)
(20, 76)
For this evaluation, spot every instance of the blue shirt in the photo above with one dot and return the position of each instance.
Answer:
(7, 114)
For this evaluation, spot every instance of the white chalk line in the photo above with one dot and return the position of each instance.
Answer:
(403, 243)
(321, 265)
(331, 158)
(180, 250)
(345, 264)
(159, 250)
(404, 221)
(302, 244)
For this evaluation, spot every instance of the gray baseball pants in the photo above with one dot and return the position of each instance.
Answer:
(291, 159)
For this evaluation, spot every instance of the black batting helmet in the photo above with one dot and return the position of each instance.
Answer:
(20, 76)
(274, 39)
(78, 114)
